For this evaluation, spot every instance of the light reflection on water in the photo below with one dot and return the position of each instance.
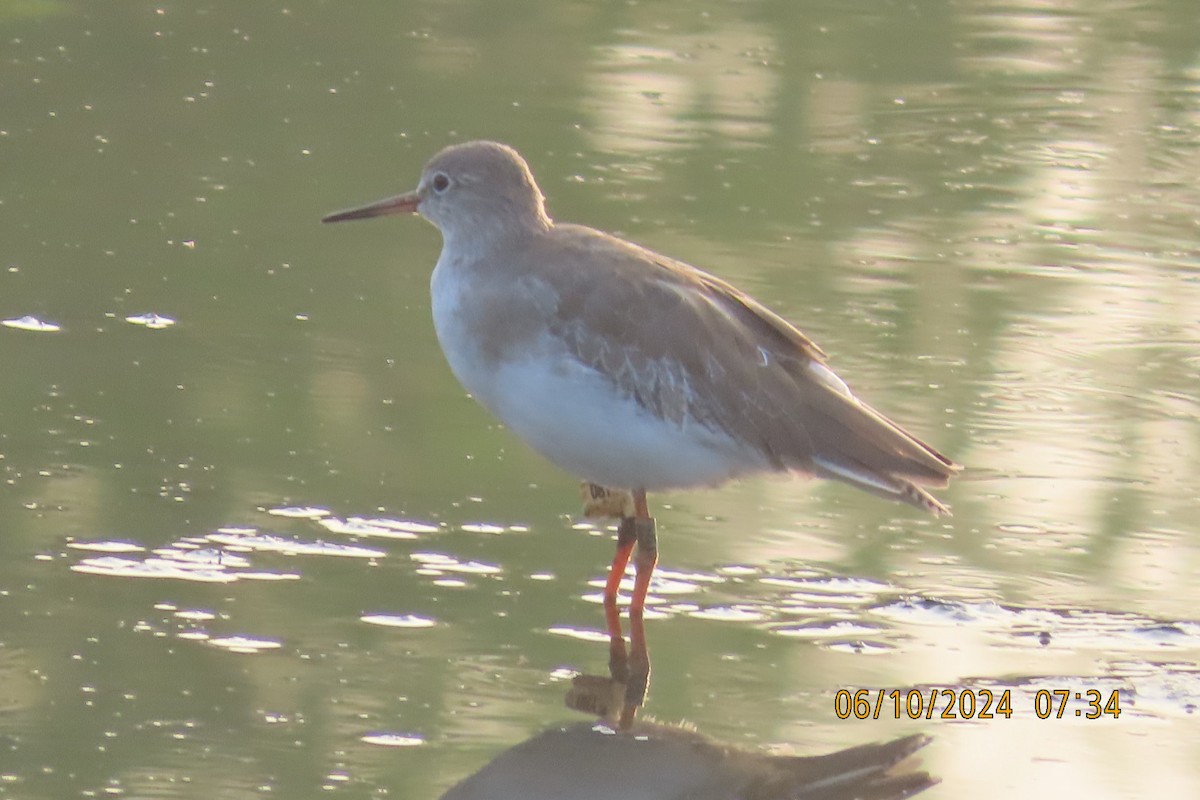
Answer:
(836, 612)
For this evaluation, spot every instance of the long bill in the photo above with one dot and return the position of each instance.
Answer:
(400, 204)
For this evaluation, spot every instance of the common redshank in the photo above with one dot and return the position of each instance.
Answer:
(630, 369)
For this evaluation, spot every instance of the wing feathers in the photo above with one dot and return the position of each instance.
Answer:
(708, 354)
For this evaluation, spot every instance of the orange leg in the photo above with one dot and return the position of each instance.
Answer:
(641, 530)
(626, 539)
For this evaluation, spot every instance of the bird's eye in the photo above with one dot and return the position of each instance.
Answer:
(441, 182)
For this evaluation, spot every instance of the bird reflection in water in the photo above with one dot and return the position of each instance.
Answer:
(644, 759)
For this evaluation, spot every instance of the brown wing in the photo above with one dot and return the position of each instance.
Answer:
(709, 354)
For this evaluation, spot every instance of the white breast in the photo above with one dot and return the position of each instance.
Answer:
(448, 287)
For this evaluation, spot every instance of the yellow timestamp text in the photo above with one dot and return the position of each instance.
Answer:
(959, 703)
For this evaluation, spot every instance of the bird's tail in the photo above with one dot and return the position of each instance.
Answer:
(853, 443)
(889, 487)
(862, 772)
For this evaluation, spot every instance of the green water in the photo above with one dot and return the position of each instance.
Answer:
(987, 214)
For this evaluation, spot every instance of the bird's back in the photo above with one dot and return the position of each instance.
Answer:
(693, 349)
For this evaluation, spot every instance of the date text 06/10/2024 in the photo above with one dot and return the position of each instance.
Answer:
(972, 704)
